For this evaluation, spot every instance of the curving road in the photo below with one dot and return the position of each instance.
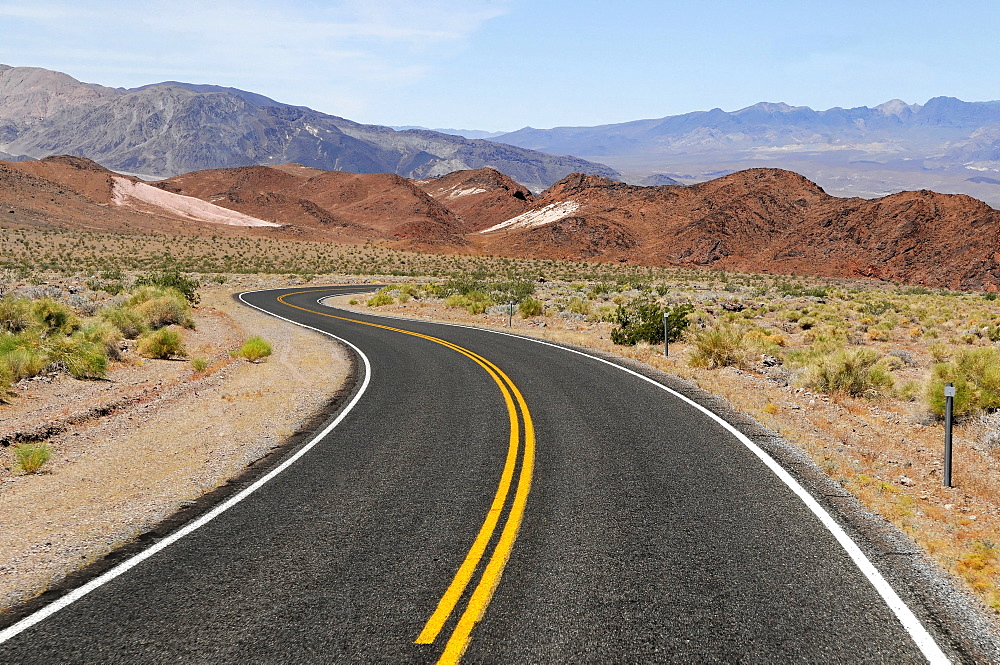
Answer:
(495, 500)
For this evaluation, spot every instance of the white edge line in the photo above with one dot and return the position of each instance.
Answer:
(923, 639)
(130, 563)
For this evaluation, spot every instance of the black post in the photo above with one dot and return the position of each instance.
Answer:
(666, 344)
(949, 400)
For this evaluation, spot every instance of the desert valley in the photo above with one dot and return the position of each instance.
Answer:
(129, 217)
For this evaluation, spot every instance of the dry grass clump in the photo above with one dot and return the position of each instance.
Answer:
(722, 345)
(856, 372)
(31, 456)
(254, 349)
(163, 344)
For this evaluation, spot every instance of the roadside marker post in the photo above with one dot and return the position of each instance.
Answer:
(510, 320)
(949, 401)
(666, 344)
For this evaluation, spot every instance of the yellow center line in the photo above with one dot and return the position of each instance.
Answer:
(483, 592)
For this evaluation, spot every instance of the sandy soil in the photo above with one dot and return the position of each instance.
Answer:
(155, 436)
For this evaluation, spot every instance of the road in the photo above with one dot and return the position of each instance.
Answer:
(494, 500)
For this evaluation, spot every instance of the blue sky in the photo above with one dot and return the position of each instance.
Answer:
(505, 64)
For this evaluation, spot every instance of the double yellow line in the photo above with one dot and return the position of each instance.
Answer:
(481, 595)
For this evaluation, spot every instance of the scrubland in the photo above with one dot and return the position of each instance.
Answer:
(851, 371)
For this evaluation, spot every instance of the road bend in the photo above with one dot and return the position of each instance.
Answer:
(488, 499)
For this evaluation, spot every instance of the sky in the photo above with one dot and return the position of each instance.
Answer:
(500, 65)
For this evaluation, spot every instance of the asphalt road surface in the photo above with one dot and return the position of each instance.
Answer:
(494, 500)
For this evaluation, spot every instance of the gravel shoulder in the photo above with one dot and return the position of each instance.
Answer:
(151, 439)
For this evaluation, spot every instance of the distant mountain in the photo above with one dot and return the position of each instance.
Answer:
(860, 151)
(466, 133)
(170, 128)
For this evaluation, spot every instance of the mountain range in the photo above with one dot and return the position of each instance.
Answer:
(947, 145)
(165, 129)
(758, 220)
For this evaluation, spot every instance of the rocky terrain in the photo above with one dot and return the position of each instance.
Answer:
(171, 128)
(764, 220)
(759, 220)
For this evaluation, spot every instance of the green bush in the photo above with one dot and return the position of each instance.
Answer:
(254, 349)
(187, 287)
(976, 375)
(856, 372)
(54, 316)
(163, 343)
(31, 456)
(643, 321)
(22, 362)
(199, 364)
(530, 307)
(165, 310)
(128, 320)
(105, 334)
(81, 357)
(474, 302)
(379, 299)
(720, 346)
(15, 314)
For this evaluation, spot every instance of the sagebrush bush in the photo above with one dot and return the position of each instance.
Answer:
(199, 364)
(976, 375)
(163, 344)
(254, 349)
(720, 346)
(856, 372)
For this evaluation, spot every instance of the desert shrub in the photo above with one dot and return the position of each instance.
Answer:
(187, 287)
(128, 320)
(643, 321)
(105, 334)
(530, 307)
(578, 305)
(976, 375)
(81, 357)
(381, 298)
(164, 310)
(474, 302)
(54, 316)
(163, 343)
(31, 456)
(15, 314)
(720, 346)
(21, 362)
(254, 349)
(199, 364)
(856, 372)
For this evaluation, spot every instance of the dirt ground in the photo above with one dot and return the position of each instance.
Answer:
(153, 437)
